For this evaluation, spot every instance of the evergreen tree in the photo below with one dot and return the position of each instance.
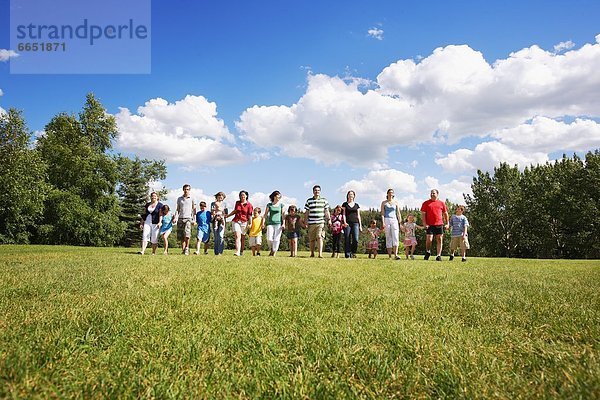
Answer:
(134, 187)
(22, 179)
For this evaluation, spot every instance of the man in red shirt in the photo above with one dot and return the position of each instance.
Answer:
(434, 214)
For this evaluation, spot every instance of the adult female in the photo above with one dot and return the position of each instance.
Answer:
(353, 224)
(243, 212)
(149, 223)
(390, 215)
(274, 217)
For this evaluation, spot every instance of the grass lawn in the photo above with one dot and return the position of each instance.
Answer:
(87, 322)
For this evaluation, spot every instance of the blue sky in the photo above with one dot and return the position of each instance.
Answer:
(267, 95)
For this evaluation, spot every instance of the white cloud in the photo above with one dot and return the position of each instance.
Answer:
(1, 92)
(374, 185)
(451, 94)
(186, 132)
(375, 33)
(562, 46)
(487, 155)
(6, 55)
(548, 135)
(452, 191)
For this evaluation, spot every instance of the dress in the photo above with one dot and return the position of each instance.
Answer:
(409, 233)
(373, 238)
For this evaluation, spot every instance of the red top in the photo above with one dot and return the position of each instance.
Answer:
(434, 210)
(243, 212)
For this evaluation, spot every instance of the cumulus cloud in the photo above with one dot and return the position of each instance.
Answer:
(1, 92)
(453, 191)
(375, 33)
(449, 95)
(373, 186)
(186, 132)
(562, 46)
(487, 155)
(6, 55)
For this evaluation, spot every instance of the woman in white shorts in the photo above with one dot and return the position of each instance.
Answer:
(243, 213)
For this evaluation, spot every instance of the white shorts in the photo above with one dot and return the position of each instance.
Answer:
(240, 227)
(150, 233)
(255, 240)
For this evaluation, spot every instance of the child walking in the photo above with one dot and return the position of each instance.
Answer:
(292, 224)
(218, 211)
(373, 245)
(410, 239)
(459, 225)
(165, 225)
(338, 223)
(255, 233)
(203, 219)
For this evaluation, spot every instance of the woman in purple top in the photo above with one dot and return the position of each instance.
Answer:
(353, 225)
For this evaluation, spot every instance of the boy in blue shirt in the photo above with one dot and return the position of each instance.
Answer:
(459, 225)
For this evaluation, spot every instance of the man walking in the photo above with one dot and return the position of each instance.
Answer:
(316, 213)
(434, 214)
(186, 211)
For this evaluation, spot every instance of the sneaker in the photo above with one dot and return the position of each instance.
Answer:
(186, 252)
(258, 253)
(464, 260)
(451, 257)
(236, 254)
(412, 257)
(438, 258)
(427, 255)
(397, 258)
(196, 253)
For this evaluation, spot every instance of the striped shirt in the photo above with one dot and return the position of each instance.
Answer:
(316, 210)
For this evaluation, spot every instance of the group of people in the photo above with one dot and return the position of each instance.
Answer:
(157, 220)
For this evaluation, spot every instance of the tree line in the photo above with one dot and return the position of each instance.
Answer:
(68, 187)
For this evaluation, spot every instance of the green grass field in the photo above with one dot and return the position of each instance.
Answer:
(88, 323)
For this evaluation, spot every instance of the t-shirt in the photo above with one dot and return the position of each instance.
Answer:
(275, 213)
(185, 207)
(292, 223)
(434, 210)
(167, 223)
(351, 212)
(243, 212)
(255, 227)
(409, 232)
(336, 223)
(457, 224)
(203, 220)
(316, 210)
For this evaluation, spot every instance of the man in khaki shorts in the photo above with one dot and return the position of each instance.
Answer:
(316, 213)
(186, 211)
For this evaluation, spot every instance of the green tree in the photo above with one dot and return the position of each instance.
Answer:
(83, 178)
(22, 180)
(135, 177)
(493, 212)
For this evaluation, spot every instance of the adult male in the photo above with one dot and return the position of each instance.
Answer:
(316, 213)
(184, 216)
(434, 214)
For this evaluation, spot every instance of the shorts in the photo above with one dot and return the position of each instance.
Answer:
(184, 229)
(292, 235)
(255, 240)
(459, 241)
(203, 236)
(150, 233)
(410, 241)
(435, 230)
(240, 227)
(315, 231)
